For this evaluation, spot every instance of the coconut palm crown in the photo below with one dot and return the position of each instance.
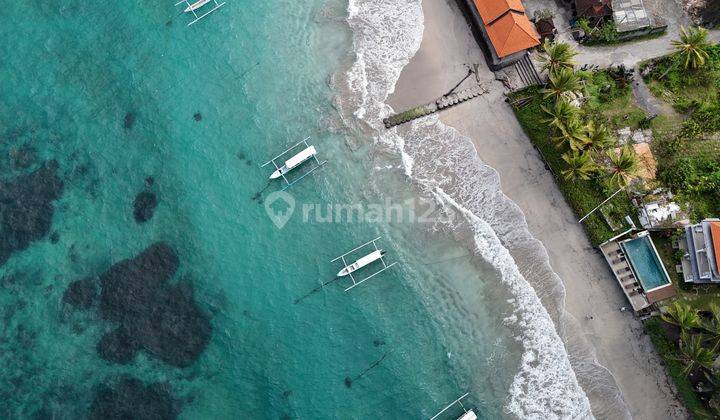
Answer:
(557, 55)
(692, 47)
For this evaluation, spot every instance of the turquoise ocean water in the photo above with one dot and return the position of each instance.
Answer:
(110, 93)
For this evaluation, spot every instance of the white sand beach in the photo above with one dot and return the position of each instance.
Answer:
(448, 47)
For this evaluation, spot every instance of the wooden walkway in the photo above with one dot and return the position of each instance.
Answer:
(433, 107)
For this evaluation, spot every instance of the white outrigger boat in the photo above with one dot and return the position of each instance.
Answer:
(294, 162)
(192, 7)
(308, 153)
(362, 262)
(468, 414)
(349, 269)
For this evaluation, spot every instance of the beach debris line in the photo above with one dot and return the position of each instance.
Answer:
(433, 107)
(349, 381)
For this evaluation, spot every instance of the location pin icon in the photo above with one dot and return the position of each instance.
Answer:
(279, 206)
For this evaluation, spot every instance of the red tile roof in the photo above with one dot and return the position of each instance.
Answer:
(508, 28)
(511, 33)
(715, 234)
(492, 9)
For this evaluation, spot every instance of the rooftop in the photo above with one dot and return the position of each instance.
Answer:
(508, 28)
(702, 245)
(630, 15)
(490, 10)
(593, 8)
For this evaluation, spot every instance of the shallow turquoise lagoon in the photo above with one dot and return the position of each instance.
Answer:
(128, 99)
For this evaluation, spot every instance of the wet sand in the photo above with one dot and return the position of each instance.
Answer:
(447, 49)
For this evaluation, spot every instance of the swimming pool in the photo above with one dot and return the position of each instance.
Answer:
(646, 263)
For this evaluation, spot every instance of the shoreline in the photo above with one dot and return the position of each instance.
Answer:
(616, 338)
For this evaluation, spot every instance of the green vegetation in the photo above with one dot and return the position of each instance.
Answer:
(604, 34)
(688, 158)
(668, 350)
(571, 122)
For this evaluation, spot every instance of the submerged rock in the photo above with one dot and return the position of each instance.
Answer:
(160, 318)
(26, 208)
(129, 120)
(131, 399)
(144, 206)
(81, 293)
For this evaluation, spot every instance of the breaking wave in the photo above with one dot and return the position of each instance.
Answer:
(444, 166)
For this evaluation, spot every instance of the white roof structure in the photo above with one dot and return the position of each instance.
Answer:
(630, 15)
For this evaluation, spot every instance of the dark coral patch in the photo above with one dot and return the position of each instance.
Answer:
(131, 399)
(144, 206)
(81, 293)
(129, 120)
(160, 318)
(149, 181)
(26, 208)
(23, 157)
(118, 346)
(197, 116)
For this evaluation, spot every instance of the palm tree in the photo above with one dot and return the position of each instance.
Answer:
(562, 83)
(682, 315)
(556, 56)
(598, 136)
(624, 166)
(580, 165)
(562, 114)
(692, 46)
(713, 326)
(693, 354)
(573, 135)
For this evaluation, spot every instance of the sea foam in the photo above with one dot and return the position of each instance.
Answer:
(445, 166)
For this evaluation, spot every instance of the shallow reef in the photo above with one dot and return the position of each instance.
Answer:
(130, 398)
(26, 208)
(144, 206)
(151, 314)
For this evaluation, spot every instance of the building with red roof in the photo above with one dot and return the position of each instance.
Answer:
(505, 29)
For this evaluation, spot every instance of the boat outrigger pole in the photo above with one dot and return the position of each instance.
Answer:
(196, 6)
(467, 414)
(349, 269)
(306, 154)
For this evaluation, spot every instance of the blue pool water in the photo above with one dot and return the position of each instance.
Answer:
(645, 262)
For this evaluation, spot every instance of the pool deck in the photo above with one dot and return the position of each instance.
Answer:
(640, 299)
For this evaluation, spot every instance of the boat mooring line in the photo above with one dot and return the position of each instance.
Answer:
(258, 195)
(315, 290)
(349, 380)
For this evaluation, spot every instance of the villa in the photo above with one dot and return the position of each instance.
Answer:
(702, 252)
(637, 267)
(506, 31)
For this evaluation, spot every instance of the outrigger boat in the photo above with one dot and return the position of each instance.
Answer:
(362, 262)
(467, 414)
(308, 153)
(349, 269)
(294, 162)
(198, 4)
(192, 8)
